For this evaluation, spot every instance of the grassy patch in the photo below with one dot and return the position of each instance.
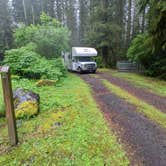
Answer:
(70, 130)
(152, 84)
(148, 110)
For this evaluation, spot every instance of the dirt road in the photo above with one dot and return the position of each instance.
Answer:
(153, 99)
(144, 141)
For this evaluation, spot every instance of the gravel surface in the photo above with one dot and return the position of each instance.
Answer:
(144, 141)
(157, 101)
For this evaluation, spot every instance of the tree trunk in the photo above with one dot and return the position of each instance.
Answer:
(119, 20)
(143, 22)
(128, 24)
(33, 14)
(105, 55)
(25, 13)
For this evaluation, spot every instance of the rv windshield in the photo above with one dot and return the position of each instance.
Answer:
(85, 59)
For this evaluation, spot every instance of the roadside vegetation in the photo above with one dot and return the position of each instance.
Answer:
(38, 50)
(34, 58)
(27, 63)
(148, 110)
(69, 130)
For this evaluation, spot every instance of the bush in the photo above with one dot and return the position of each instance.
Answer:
(142, 51)
(27, 63)
(50, 37)
(99, 61)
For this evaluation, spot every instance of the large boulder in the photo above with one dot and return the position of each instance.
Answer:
(26, 103)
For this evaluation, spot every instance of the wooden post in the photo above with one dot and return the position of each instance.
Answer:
(8, 99)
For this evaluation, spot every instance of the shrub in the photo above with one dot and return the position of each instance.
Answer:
(27, 63)
(141, 50)
(99, 61)
(50, 37)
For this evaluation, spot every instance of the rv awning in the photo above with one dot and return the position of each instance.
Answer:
(83, 51)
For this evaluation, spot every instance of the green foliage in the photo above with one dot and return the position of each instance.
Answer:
(70, 130)
(99, 61)
(150, 48)
(104, 37)
(105, 33)
(142, 51)
(50, 37)
(157, 24)
(46, 20)
(27, 63)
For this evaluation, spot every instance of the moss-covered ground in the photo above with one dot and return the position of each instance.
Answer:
(152, 84)
(69, 130)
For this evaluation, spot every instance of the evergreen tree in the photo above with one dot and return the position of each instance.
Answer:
(83, 21)
(128, 37)
(104, 31)
(153, 42)
(5, 27)
(71, 20)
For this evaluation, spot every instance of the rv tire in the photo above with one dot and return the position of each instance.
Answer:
(79, 70)
(94, 71)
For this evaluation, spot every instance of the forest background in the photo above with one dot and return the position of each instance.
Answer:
(120, 29)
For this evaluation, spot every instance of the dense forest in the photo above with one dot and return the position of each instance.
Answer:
(119, 29)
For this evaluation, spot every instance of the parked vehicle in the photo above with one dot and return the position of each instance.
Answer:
(81, 60)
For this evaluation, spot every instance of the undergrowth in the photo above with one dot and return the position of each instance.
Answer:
(70, 130)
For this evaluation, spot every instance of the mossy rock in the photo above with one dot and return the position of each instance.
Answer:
(26, 109)
(26, 103)
(45, 83)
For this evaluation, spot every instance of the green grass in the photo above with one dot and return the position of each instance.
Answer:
(152, 84)
(70, 130)
(148, 110)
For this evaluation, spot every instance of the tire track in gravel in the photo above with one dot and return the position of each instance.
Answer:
(145, 142)
(157, 101)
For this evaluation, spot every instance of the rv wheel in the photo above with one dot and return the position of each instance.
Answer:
(94, 71)
(79, 70)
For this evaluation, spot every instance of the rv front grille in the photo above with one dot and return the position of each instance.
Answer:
(90, 66)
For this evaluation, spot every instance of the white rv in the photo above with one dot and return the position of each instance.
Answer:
(81, 59)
